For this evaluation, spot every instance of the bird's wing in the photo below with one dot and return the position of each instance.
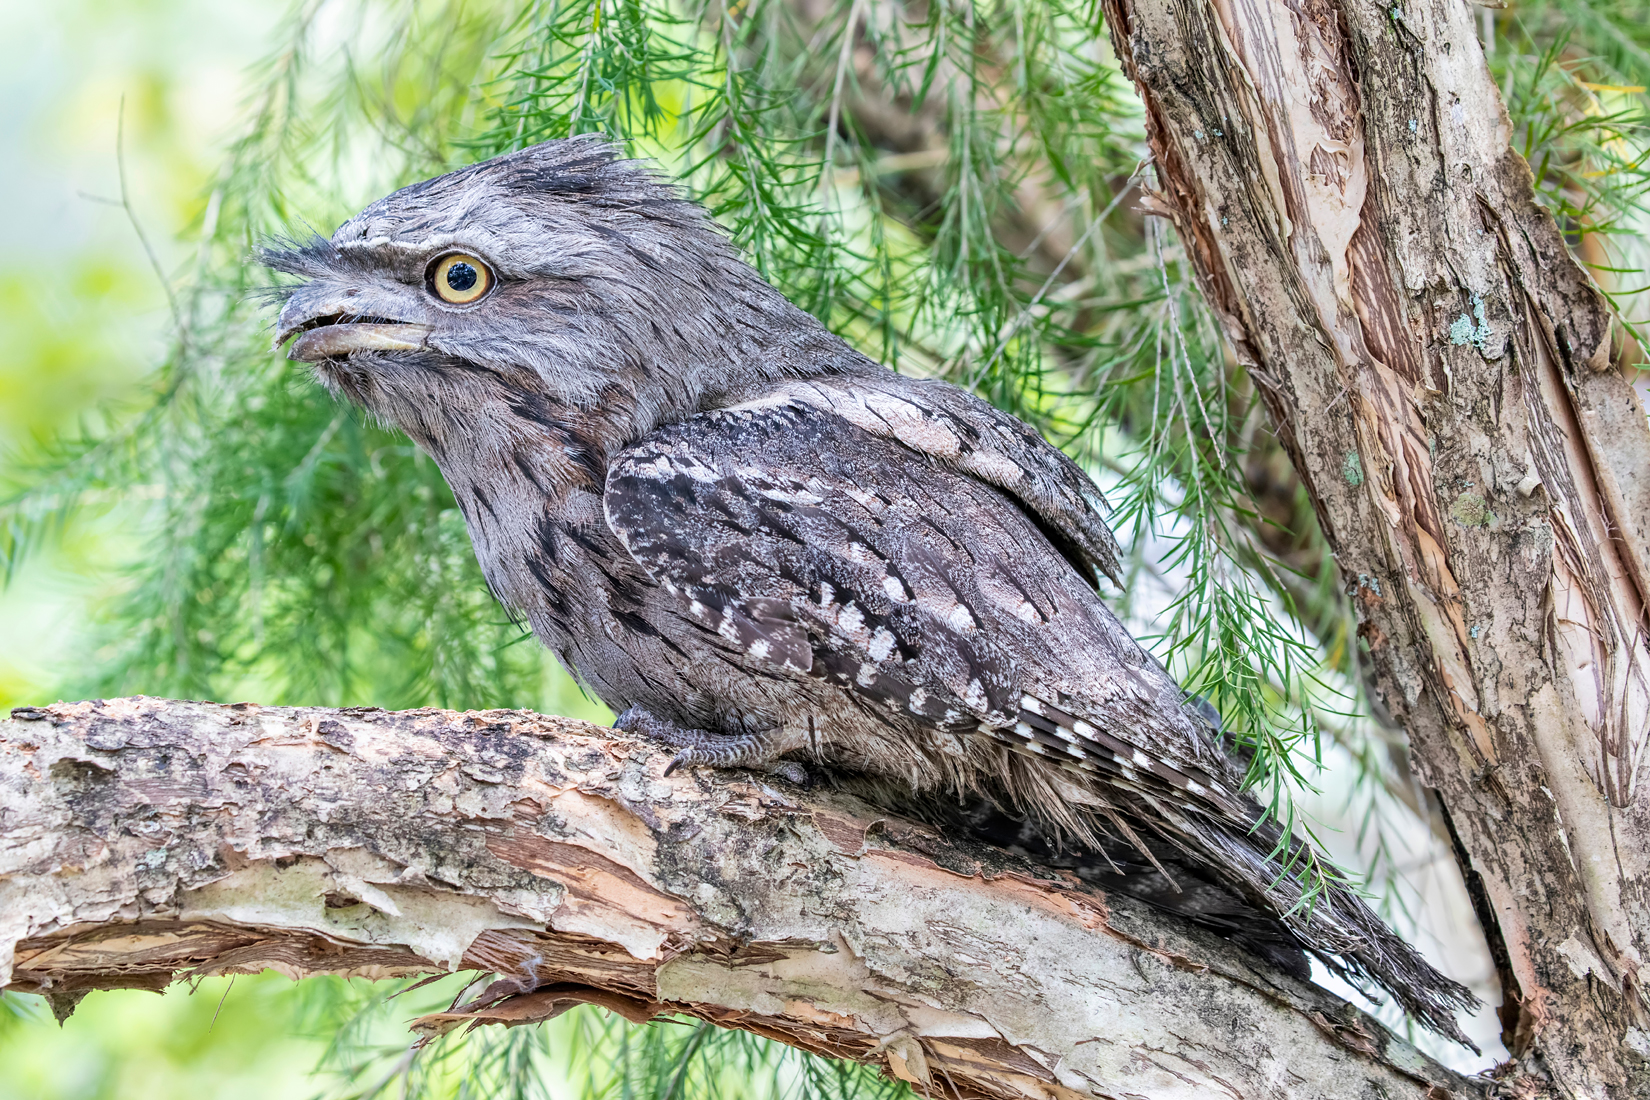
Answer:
(803, 545)
(959, 430)
(815, 548)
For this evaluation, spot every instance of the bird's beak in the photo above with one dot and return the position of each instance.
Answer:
(329, 329)
(338, 339)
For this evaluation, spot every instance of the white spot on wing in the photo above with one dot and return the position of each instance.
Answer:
(727, 628)
(695, 469)
(882, 644)
(789, 494)
(868, 501)
(896, 591)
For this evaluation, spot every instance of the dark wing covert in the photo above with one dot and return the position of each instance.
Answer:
(817, 548)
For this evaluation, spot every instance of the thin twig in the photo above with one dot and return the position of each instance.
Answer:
(137, 226)
(828, 172)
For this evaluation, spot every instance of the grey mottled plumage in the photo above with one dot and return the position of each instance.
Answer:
(753, 541)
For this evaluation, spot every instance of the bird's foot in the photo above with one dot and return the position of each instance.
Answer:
(739, 750)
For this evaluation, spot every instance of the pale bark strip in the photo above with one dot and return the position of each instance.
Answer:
(1441, 373)
(141, 839)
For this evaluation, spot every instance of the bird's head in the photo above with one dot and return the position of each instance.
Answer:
(559, 275)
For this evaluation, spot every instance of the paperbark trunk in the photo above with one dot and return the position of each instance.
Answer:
(1442, 374)
(142, 839)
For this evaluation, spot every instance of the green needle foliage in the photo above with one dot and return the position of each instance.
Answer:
(1575, 81)
(946, 185)
(598, 1056)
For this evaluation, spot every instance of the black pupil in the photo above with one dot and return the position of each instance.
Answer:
(461, 276)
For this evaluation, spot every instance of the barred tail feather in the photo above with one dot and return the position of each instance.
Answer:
(1324, 912)
(1225, 831)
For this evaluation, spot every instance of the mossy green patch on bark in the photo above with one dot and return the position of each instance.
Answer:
(1353, 469)
(1472, 510)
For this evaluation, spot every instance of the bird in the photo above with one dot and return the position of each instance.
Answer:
(759, 546)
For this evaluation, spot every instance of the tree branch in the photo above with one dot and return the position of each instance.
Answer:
(142, 839)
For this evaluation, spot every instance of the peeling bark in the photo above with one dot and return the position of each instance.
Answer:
(143, 839)
(1442, 375)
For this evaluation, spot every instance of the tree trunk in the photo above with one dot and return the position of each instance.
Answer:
(141, 839)
(1442, 374)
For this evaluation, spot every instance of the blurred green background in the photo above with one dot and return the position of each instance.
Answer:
(81, 308)
(128, 1044)
(83, 322)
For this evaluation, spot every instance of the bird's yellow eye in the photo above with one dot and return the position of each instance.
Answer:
(460, 278)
